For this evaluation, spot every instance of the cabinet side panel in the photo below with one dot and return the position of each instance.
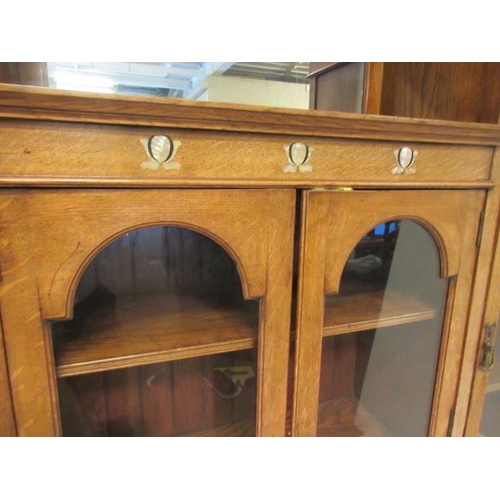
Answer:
(32, 393)
(7, 423)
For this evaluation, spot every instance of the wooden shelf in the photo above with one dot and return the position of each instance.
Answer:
(346, 417)
(360, 311)
(245, 428)
(150, 329)
(336, 418)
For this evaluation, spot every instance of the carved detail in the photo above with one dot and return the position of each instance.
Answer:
(298, 155)
(405, 158)
(161, 151)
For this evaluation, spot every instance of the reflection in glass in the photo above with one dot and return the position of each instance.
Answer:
(490, 420)
(161, 342)
(382, 335)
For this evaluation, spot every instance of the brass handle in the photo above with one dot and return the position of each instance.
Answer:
(488, 354)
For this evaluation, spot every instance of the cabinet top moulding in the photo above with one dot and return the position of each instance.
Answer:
(24, 102)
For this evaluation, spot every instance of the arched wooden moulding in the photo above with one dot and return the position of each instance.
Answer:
(243, 277)
(67, 276)
(347, 227)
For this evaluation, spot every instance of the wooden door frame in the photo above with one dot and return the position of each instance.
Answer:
(44, 254)
(456, 221)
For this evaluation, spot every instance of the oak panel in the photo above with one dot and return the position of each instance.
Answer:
(24, 337)
(354, 214)
(72, 153)
(333, 223)
(485, 309)
(57, 105)
(71, 227)
(7, 422)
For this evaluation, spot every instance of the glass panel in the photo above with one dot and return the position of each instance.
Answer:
(490, 420)
(161, 342)
(382, 335)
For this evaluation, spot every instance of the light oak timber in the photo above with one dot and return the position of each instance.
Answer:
(68, 152)
(58, 218)
(441, 213)
(55, 139)
(275, 316)
(255, 227)
(485, 308)
(57, 105)
(335, 222)
(7, 422)
(132, 183)
(24, 336)
(363, 311)
(452, 218)
(309, 317)
(455, 322)
(474, 380)
(150, 329)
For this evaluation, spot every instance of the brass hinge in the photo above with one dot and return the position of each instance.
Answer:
(480, 230)
(451, 422)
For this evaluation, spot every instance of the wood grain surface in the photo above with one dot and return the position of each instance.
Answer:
(59, 219)
(7, 422)
(150, 329)
(485, 308)
(330, 232)
(362, 311)
(56, 105)
(72, 154)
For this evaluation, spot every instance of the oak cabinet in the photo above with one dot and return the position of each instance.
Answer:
(183, 269)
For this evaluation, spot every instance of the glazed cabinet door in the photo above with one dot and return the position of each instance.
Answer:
(383, 293)
(147, 312)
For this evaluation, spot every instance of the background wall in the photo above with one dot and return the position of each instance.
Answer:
(252, 91)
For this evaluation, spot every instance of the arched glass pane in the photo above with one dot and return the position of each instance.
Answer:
(161, 342)
(382, 336)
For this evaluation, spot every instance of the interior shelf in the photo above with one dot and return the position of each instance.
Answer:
(133, 330)
(346, 417)
(356, 311)
(245, 428)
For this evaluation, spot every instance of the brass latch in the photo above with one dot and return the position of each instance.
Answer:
(488, 354)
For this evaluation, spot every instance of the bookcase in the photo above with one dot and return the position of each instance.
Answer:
(176, 268)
